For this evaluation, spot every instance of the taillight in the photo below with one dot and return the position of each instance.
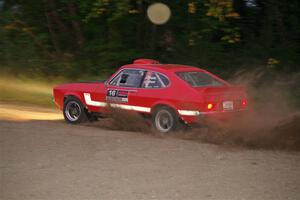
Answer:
(244, 103)
(210, 106)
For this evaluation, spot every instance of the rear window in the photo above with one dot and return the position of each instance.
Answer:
(199, 79)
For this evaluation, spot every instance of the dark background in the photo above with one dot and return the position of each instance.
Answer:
(91, 38)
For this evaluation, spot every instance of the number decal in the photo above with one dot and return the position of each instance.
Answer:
(117, 95)
(112, 93)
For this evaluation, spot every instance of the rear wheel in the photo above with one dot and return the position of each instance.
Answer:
(74, 111)
(165, 119)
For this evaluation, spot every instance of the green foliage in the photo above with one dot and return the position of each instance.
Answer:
(76, 38)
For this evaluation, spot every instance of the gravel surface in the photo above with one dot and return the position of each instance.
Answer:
(53, 160)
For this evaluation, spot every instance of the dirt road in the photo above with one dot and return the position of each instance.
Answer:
(52, 160)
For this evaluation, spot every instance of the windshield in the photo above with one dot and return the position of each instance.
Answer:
(199, 79)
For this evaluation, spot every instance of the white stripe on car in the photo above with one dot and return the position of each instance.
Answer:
(90, 102)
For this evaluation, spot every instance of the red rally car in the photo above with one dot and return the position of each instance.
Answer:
(168, 93)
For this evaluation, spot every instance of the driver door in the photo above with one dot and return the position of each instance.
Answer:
(123, 89)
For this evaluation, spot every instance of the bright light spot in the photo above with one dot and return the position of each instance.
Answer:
(159, 13)
(251, 3)
(210, 106)
(244, 102)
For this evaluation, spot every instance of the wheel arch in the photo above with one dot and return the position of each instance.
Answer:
(164, 104)
(77, 96)
(74, 95)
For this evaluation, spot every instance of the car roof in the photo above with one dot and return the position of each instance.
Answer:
(163, 67)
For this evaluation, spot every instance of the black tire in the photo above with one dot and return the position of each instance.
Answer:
(165, 119)
(74, 111)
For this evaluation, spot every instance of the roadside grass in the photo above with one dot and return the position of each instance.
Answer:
(22, 89)
(15, 90)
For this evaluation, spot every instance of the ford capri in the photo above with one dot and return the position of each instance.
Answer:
(168, 94)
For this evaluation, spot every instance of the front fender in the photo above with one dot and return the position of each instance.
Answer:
(78, 95)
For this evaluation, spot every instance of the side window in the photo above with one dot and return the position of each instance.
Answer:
(155, 80)
(164, 79)
(128, 78)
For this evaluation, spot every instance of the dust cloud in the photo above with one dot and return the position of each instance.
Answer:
(273, 118)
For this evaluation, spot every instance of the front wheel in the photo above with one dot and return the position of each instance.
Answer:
(165, 119)
(74, 111)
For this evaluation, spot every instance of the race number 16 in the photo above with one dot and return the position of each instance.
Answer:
(112, 93)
